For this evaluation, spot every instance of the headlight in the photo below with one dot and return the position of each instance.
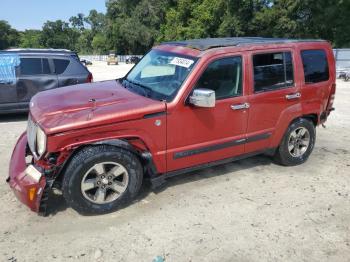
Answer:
(40, 142)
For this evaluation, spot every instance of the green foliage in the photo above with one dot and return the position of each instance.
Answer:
(99, 44)
(91, 32)
(326, 19)
(84, 44)
(9, 37)
(134, 26)
(220, 18)
(96, 21)
(77, 22)
(31, 39)
(58, 34)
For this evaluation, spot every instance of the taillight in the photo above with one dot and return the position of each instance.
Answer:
(329, 108)
(90, 78)
(331, 98)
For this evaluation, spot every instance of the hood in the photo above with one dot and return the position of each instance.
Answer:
(88, 105)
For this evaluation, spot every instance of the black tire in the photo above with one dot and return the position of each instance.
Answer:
(346, 79)
(283, 156)
(85, 160)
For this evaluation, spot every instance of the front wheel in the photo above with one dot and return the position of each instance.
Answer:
(297, 143)
(100, 179)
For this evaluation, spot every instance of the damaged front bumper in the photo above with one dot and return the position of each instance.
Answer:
(26, 180)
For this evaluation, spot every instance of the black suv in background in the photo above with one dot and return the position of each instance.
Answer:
(40, 70)
(132, 60)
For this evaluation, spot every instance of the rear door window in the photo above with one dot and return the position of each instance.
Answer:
(273, 71)
(35, 66)
(31, 66)
(315, 65)
(60, 65)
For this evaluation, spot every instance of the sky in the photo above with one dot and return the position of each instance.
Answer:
(32, 14)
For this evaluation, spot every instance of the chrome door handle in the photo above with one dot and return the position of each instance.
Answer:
(240, 106)
(293, 96)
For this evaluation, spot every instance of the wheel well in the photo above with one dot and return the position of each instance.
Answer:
(132, 146)
(312, 117)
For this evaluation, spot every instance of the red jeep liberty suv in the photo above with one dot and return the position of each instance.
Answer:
(186, 105)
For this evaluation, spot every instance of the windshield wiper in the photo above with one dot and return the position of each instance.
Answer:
(143, 87)
(146, 91)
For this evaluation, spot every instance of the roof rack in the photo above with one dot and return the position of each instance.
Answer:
(208, 43)
(38, 50)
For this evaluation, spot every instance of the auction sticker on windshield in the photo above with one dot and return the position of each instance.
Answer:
(183, 62)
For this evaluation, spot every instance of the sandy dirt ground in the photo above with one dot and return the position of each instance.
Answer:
(250, 210)
(101, 71)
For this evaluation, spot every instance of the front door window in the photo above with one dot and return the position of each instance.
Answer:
(224, 76)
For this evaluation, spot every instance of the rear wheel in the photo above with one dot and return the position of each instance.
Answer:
(297, 143)
(100, 179)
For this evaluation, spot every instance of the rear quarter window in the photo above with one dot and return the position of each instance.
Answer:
(60, 65)
(315, 65)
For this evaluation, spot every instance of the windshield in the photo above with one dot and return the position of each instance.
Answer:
(159, 75)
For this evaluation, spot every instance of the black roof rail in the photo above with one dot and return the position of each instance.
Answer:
(208, 43)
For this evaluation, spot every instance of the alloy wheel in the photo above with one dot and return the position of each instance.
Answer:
(298, 142)
(104, 182)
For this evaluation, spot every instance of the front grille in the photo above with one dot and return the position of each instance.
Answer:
(31, 135)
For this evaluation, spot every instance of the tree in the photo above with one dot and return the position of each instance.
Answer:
(326, 19)
(84, 44)
(89, 27)
(133, 26)
(58, 34)
(239, 16)
(77, 22)
(97, 21)
(220, 18)
(9, 37)
(99, 44)
(31, 39)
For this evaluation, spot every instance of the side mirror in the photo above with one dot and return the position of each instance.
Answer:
(202, 97)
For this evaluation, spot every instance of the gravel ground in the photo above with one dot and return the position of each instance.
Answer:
(250, 210)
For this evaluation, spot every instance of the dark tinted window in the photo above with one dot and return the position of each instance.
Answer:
(315, 66)
(272, 71)
(224, 76)
(31, 66)
(60, 65)
(46, 66)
